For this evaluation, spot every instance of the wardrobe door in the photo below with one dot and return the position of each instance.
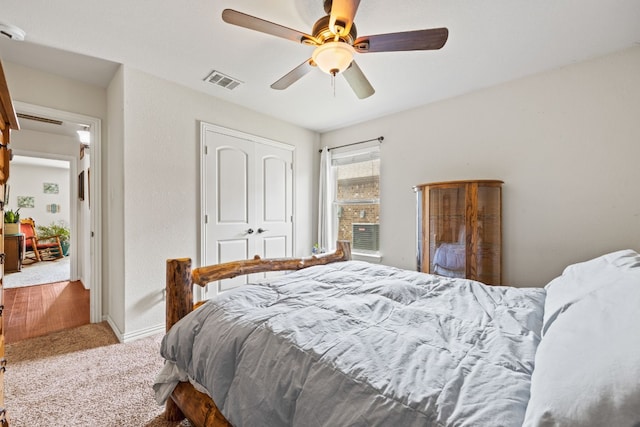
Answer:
(247, 199)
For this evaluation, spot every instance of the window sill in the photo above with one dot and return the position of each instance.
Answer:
(359, 256)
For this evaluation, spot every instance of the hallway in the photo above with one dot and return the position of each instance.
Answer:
(37, 310)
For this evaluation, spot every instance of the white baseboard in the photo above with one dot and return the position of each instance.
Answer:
(143, 333)
(135, 335)
(113, 326)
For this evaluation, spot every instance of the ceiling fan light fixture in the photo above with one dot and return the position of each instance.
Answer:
(333, 57)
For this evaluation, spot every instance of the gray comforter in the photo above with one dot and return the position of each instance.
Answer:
(359, 344)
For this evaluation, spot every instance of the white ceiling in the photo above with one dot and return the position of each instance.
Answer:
(490, 42)
(40, 161)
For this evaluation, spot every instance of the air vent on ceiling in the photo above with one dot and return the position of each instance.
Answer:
(220, 79)
(39, 119)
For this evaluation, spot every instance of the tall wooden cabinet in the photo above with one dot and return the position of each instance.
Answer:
(8, 121)
(460, 229)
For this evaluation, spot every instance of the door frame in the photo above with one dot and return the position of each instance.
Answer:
(95, 185)
(200, 292)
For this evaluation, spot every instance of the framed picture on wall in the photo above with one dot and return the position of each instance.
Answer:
(26, 201)
(81, 186)
(50, 188)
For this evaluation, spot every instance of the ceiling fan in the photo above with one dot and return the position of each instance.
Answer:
(336, 41)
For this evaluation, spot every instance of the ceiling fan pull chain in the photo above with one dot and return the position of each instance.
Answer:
(333, 84)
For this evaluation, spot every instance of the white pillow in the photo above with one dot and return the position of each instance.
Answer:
(587, 365)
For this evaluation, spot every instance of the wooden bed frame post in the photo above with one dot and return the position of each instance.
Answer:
(179, 303)
(344, 247)
(201, 409)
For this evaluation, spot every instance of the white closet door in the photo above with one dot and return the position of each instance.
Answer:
(247, 200)
(274, 216)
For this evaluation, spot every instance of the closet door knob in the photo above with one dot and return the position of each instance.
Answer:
(250, 231)
(261, 230)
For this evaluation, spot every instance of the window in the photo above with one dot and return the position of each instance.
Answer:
(356, 190)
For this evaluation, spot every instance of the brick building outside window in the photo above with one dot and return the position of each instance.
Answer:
(357, 199)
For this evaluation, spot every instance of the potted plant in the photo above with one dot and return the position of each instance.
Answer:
(12, 221)
(60, 229)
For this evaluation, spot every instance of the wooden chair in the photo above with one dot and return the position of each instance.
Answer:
(39, 248)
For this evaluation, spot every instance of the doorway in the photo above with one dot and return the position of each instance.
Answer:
(40, 189)
(85, 174)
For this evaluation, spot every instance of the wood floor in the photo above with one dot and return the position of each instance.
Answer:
(32, 311)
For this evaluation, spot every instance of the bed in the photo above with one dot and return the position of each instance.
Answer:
(335, 342)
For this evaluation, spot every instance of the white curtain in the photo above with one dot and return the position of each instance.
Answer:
(325, 203)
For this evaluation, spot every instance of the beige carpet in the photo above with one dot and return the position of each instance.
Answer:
(83, 377)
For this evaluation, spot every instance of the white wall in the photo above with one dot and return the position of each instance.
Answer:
(47, 144)
(49, 90)
(113, 202)
(150, 177)
(43, 89)
(28, 180)
(161, 183)
(83, 218)
(566, 143)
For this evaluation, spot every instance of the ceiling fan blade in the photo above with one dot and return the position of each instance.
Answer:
(358, 82)
(240, 19)
(430, 39)
(294, 75)
(342, 14)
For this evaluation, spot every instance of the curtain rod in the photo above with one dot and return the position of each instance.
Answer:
(379, 139)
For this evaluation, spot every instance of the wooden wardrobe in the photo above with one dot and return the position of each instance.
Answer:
(460, 229)
(8, 121)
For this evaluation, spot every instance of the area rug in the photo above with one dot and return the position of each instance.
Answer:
(83, 377)
(38, 273)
